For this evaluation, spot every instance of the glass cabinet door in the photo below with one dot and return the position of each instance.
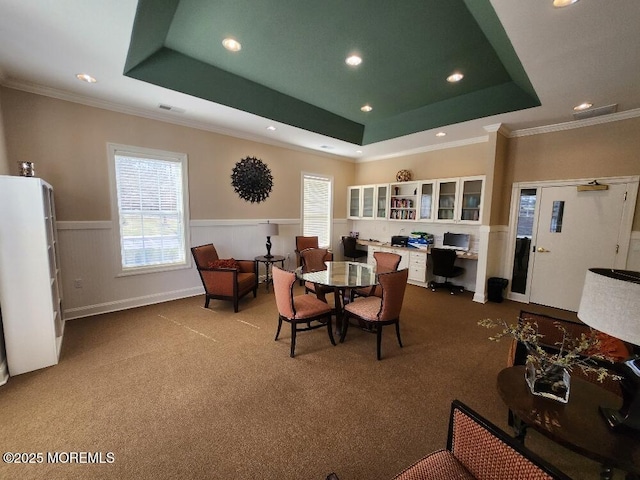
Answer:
(447, 191)
(471, 196)
(354, 202)
(368, 194)
(382, 197)
(427, 195)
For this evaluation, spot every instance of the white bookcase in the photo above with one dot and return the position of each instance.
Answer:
(30, 283)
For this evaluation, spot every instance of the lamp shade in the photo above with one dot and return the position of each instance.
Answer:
(268, 229)
(610, 303)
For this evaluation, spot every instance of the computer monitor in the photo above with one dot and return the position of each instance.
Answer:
(456, 241)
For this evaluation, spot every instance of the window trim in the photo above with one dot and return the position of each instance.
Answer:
(114, 149)
(330, 179)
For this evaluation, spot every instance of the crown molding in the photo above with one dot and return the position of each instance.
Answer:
(168, 118)
(587, 122)
(158, 116)
(428, 148)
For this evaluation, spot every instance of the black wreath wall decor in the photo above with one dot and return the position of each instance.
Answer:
(252, 179)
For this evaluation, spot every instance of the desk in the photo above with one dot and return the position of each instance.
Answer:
(342, 277)
(577, 425)
(461, 255)
(268, 261)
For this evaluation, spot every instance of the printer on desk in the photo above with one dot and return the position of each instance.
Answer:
(399, 241)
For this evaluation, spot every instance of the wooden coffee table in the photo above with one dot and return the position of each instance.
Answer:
(576, 425)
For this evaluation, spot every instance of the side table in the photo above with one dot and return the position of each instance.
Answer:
(268, 262)
(577, 424)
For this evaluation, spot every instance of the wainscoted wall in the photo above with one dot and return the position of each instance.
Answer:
(88, 256)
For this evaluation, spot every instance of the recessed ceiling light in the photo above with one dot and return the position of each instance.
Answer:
(563, 3)
(231, 45)
(85, 77)
(358, 151)
(366, 108)
(353, 60)
(271, 128)
(455, 77)
(583, 106)
(440, 134)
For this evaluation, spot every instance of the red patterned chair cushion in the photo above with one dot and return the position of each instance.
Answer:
(224, 263)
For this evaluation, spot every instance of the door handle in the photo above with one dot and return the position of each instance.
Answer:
(543, 250)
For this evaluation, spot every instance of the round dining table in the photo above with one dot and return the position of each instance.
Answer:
(343, 277)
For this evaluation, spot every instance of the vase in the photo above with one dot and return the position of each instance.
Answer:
(552, 382)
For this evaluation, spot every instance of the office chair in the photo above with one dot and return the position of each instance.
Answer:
(443, 266)
(350, 250)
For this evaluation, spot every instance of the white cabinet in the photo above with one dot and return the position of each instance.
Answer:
(354, 195)
(30, 282)
(448, 200)
(426, 192)
(459, 200)
(418, 266)
(382, 201)
(364, 202)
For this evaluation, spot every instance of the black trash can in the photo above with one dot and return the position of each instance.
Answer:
(495, 287)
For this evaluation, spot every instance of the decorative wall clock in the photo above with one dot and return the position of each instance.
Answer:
(252, 180)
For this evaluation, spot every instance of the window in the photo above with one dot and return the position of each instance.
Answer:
(317, 207)
(149, 195)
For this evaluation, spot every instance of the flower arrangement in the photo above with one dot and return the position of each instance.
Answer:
(583, 352)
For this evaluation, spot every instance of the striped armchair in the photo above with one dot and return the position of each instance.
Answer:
(477, 449)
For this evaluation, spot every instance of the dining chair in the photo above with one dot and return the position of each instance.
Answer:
(376, 312)
(302, 243)
(313, 260)
(298, 309)
(385, 262)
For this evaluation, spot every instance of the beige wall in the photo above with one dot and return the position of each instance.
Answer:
(452, 162)
(67, 142)
(606, 150)
(4, 159)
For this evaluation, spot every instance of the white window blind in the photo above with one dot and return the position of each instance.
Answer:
(316, 213)
(151, 213)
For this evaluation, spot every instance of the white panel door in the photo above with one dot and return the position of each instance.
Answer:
(576, 231)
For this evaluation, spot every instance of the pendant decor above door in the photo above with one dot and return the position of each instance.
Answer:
(252, 180)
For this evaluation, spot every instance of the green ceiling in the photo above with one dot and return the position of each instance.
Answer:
(291, 67)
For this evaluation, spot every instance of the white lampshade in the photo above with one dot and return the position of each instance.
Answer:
(268, 229)
(611, 303)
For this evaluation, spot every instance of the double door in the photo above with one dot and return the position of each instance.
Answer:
(561, 231)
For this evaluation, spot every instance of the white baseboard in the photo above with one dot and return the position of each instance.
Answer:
(89, 310)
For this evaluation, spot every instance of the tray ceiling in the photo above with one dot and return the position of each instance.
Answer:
(291, 68)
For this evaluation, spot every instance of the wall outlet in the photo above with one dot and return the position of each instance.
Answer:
(77, 283)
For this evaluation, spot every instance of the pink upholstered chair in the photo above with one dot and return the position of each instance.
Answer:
(385, 262)
(477, 449)
(299, 309)
(227, 279)
(376, 312)
(312, 261)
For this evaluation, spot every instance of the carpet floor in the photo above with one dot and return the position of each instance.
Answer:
(173, 391)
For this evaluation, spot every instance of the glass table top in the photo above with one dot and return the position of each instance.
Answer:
(342, 275)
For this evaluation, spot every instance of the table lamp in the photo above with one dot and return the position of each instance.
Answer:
(269, 230)
(610, 303)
